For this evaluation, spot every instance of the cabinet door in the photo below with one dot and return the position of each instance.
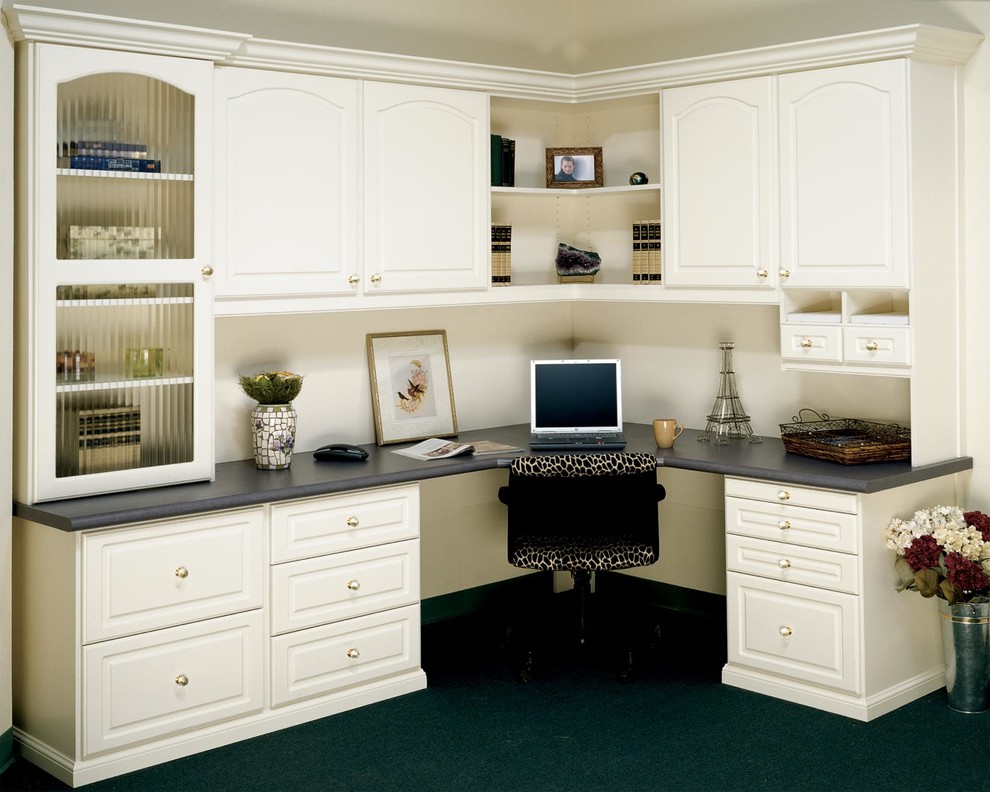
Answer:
(717, 160)
(286, 157)
(426, 159)
(843, 175)
(115, 297)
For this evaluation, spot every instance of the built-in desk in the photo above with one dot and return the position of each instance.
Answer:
(152, 624)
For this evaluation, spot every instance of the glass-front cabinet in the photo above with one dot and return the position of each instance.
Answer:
(115, 289)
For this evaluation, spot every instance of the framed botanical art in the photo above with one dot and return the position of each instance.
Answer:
(411, 391)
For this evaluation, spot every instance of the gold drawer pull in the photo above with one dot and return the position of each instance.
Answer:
(872, 346)
(353, 280)
(784, 563)
(375, 279)
(762, 273)
(806, 344)
(783, 495)
(353, 585)
(182, 680)
(784, 273)
(784, 525)
(786, 632)
(353, 522)
(354, 654)
(182, 572)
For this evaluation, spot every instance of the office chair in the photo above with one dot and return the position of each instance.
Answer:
(582, 513)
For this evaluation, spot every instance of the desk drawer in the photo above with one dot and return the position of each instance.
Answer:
(792, 524)
(336, 656)
(795, 631)
(790, 562)
(334, 587)
(147, 686)
(821, 343)
(170, 573)
(788, 494)
(878, 345)
(303, 529)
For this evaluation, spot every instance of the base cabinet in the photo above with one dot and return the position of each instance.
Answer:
(813, 613)
(145, 643)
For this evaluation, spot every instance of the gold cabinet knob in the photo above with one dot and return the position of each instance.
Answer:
(784, 525)
(182, 572)
(783, 495)
(762, 273)
(784, 273)
(353, 653)
(354, 585)
(182, 680)
(872, 346)
(806, 344)
(353, 280)
(353, 522)
(786, 632)
(376, 279)
(784, 563)
(207, 271)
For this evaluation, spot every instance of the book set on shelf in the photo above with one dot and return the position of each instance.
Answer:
(501, 254)
(109, 439)
(503, 161)
(108, 242)
(646, 252)
(103, 155)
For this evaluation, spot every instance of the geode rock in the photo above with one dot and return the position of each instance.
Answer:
(571, 261)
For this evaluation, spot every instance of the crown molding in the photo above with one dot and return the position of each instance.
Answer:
(54, 26)
(925, 42)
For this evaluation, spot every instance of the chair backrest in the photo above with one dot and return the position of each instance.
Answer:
(584, 495)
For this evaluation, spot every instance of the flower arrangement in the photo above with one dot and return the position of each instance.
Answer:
(943, 552)
(271, 387)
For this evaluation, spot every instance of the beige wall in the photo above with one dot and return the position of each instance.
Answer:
(6, 359)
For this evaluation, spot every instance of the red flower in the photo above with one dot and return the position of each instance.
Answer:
(964, 574)
(980, 521)
(923, 553)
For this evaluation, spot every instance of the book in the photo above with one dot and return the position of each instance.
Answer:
(127, 164)
(653, 267)
(637, 252)
(501, 254)
(508, 162)
(436, 448)
(496, 160)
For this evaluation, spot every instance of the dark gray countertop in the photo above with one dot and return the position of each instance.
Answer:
(240, 484)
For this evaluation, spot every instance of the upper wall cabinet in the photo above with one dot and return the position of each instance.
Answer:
(286, 184)
(718, 154)
(844, 176)
(114, 323)
(426, 179)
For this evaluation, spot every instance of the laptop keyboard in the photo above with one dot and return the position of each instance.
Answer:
(605, 441)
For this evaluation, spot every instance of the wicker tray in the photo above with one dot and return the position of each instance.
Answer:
(845, 440)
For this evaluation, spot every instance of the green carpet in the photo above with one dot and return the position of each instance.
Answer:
(573, 727)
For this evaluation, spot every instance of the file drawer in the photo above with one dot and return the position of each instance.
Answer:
(811, 342)
(789, 562)
(303, 529)
(147, 686)
(169, 573)
(333, 657)
(878, 345)
(807, 634)
(334, 587)
(789, 494)
(793, 524)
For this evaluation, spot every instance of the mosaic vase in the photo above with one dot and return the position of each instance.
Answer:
(274, 430)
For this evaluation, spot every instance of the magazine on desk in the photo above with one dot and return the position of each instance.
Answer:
(435, 448)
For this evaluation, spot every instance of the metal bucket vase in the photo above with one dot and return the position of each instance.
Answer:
(966, 640)
(274, 430)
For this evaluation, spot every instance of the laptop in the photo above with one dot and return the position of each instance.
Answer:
(576, 405)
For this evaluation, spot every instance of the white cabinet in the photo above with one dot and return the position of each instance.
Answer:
(286, 184)
(114, 343)
(813, 613)
(148, 642)
(426, 171)
(718, 163)
(844, 176)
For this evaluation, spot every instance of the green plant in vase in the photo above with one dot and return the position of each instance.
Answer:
(273, 420)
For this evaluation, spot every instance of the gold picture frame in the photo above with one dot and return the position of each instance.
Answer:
(412, 392)
(585, 168)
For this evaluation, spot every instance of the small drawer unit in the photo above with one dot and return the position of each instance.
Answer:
(344, 592)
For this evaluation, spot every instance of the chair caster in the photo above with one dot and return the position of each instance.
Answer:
(627, 670)
(525, 671)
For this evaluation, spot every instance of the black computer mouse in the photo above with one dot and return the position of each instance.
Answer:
(342, 451)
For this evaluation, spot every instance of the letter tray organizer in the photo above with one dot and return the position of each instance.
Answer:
(848, 441)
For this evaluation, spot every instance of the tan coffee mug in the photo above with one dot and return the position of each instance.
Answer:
(666, 431)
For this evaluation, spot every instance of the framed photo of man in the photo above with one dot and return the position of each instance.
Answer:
(574, 168)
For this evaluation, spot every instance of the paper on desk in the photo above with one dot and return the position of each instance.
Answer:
(435, 448)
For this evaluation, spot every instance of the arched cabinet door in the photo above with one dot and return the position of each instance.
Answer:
(718, 151)
(426, 161)
(844, 176)
(286, 203)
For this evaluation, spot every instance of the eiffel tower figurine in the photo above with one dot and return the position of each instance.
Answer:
(728, 419)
